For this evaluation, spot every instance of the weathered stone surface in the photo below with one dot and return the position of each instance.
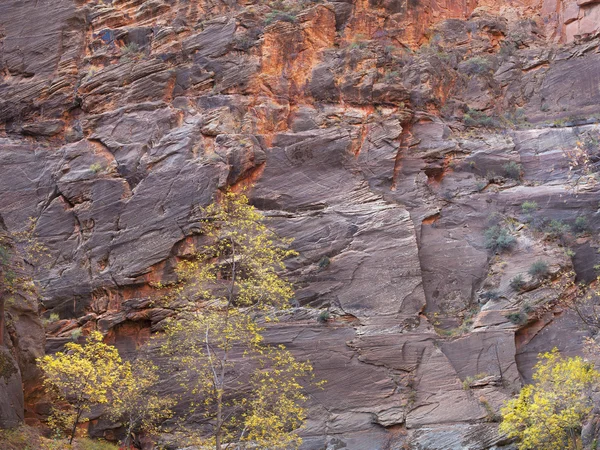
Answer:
(11, 391)
(376, 134)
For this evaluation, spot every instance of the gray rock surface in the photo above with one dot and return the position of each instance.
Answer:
(385, 137)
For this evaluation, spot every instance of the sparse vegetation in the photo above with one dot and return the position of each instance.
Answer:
(54, 317)
(468, 381)
(512, 170)
(517, 283)
(581, 224)
(490, 295)
(474, 118)
(539, 270)
(529, 206)
(280, 16)
(498, 238)
(130, 49)
(96, 168)
(476, 66)
(324, 316)
(518, 318)
(557, 229)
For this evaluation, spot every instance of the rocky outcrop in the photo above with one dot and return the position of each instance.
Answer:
(389, 139)
(23, 335)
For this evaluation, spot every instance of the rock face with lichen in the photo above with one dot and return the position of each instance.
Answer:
(395, 141)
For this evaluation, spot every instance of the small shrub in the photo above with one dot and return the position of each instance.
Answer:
(518, 318)
(280, 16)
(557, 229)
(529, 207)
(476, 66)
(54, 317)
(517, 283)
(512, 170)
(490, 414)
(498, 238)
(75, 334)
(474, 118)
(324, 316)
(581, 224)
(490, 295)
(130, 49)
(96, 168)
(538, 269)
(324, 263)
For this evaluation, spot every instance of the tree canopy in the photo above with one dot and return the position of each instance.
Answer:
(549, 413)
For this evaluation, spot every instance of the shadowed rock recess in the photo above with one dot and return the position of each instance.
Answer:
(387, 137)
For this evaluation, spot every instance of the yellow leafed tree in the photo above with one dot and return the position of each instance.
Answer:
(82, 377)
(215, 341)
(548, 414)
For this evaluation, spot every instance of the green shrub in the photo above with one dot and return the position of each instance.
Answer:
(476, 66)
(557, 229)
(130, 49)
(280, 16)
(474, 118)
(490, 295)
(538, 269)
(581, 224)
(518, 318)
(96, 168)
(529, 207)
(75, 334)
(498, 238)
(54, 317)
(324, 316)
(512, 170)
(324, 262)
(517, 283)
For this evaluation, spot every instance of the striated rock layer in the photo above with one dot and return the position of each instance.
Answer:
(378, 134)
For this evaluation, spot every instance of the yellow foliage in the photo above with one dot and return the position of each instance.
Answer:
(81, 377)
(241, 264)
(549, 414)
(227, 283)
(139, 407)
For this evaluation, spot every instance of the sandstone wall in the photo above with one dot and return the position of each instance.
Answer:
(373, 132)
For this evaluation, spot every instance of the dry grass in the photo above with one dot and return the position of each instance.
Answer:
(30, 438)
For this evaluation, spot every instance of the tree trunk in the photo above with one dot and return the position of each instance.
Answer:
(75, 426)
(219, 419)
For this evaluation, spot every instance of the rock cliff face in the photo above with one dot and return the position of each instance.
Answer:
(385, 136)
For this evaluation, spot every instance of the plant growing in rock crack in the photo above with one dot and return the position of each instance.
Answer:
(225, 288)
(512, 170)
(475, 118)
(517, 283)
(277, 16)
(557, 229)
(529, 206)
(518, 318)
(130, 50)
(96, 168)
(498, 238)
(324, 316)
(538, 270)
(581, 224)
(490, 295)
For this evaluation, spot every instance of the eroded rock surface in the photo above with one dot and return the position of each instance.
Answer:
(385, 137)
